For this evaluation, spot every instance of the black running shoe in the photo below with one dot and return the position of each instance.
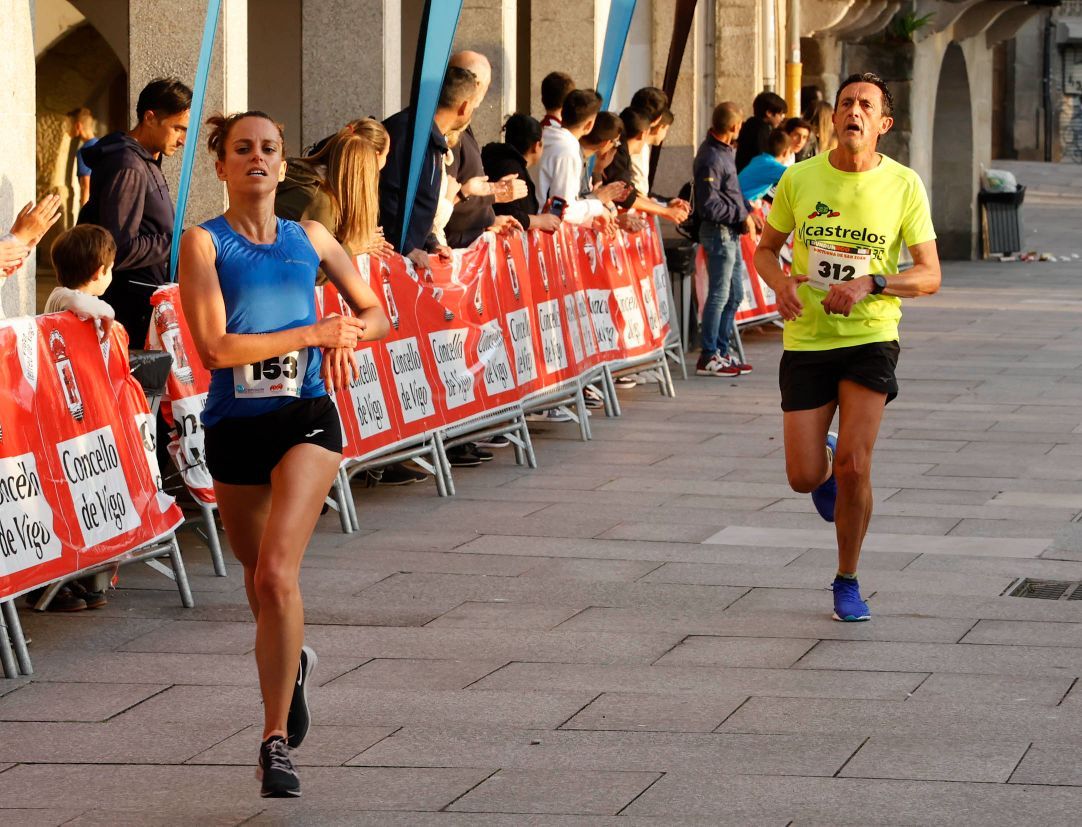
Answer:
(276, 770)
(300, 717)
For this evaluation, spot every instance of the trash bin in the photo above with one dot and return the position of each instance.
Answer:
(680, 256)
(1001, 221)
(151, 370)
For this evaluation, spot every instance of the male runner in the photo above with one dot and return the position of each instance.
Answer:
(851, 209)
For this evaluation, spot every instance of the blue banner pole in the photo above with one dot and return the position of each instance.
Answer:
(620, 14)
(191, 142)
(438, 24)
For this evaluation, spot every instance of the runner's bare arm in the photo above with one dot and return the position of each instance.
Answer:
(204, 310)
(922, 279)
(344, 276)
(769, 269)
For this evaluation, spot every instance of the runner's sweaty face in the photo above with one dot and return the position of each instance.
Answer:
(253, 160)
(858, 118)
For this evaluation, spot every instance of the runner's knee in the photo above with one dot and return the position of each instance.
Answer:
(804, 480)
(275, 585)
(852, 467)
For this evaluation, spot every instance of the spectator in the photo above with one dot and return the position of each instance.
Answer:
(768, 111)
(652, 102)
(725, 216)
(339, 187)
(521, 148)
(129, 197)
(555, 88)
(473, 211)
(765, 169)
(83, 260)
(561, 159)
(82, 137)
(454, 110)
(799, 131)
(32, 222)
(636, 135)
(822, 139)
(600, 144)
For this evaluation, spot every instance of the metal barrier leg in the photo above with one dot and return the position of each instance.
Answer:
(520, 450)
(351, 503)
(18, 639)
(213, 542)
(7, 654)
(181, 575)
(441, 461)
(340, 500)
(611, 384)
(738, 341)
(583, 414)
(524, 431)
(668, 388)
(47, 596)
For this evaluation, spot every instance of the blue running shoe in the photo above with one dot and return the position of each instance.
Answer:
(848, 606)
(824, 496)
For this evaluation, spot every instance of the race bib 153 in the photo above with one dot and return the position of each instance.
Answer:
(277, 376)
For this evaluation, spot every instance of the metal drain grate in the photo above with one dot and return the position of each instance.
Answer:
(1046, 589)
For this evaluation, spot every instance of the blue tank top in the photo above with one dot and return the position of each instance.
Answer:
(266, 288)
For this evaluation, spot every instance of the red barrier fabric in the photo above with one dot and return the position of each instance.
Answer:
(77, 486)
(507, 319)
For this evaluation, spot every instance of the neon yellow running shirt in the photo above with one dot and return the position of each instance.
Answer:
(848, 224)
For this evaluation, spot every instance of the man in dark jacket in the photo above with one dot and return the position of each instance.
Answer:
(768, 111)
(129, 196)
(473, 212)
(453, 112)
(724, 215)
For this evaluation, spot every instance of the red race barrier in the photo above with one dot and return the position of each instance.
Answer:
(76, 487)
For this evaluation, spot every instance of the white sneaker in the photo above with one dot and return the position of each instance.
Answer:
(625, 382)
(551, 415)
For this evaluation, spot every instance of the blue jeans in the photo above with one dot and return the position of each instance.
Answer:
(725, 268)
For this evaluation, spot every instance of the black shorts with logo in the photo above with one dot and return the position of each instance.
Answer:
(809, 378)
(243, 450)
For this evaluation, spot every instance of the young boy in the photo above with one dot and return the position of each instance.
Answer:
(83, 259)
(765, 169)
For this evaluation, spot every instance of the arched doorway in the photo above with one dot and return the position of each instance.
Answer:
(953, 178)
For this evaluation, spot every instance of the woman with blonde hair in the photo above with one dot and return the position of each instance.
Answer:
(273, 440)
(338, 186)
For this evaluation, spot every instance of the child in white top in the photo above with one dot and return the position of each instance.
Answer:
(83, 259)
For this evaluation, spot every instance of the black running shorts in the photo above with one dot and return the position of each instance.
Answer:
(243, 450)
(809, 378)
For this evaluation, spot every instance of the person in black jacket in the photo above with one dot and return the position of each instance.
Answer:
(768, 111)
(453, 112)
(725, 216)
(129, 197)
(521, 149)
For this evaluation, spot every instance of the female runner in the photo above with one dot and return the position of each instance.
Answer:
(273, 439)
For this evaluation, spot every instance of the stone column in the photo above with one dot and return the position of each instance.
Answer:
(490, 27)
(737, 51)
(562, 38)
(674, 164)
(168, 45)
(17, 134)
(351, 53)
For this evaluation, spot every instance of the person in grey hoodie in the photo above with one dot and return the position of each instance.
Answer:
(129, 197)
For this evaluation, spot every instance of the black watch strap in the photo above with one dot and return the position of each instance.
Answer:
(879, 284)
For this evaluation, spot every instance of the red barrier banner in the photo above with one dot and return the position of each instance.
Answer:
(509, 318)
(759, 303)
(76, 486)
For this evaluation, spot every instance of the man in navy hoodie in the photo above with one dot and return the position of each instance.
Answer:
(130, 198)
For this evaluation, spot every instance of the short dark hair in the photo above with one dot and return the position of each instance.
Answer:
(79, 252)
(579, 106)
(778, 143)
(607, 127)
(768, 103)
(650, 100)
(726, 115)
(874, 80)
(458, 85)
(666, 118)
(636, 122)
(163, 96)
(554, 89)
(793, 124)
(522, 131)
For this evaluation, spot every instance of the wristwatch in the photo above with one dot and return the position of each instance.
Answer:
(879, 284)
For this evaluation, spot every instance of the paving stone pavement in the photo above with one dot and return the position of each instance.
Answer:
(638, 632)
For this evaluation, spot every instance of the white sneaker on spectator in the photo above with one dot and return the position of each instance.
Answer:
(551, 415)
(625, 382)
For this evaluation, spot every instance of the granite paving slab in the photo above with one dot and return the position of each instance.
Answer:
(556, 791)
(936, 759)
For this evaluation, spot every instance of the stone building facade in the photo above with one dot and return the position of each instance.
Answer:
(315, 64)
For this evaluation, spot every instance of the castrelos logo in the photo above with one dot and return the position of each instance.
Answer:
(823, 211)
